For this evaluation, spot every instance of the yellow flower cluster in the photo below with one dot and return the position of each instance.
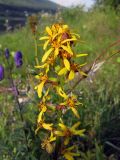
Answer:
(56, 69)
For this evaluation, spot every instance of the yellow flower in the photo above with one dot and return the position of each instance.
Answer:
(61, 92)
(68, 154)
(42, 105)
(71, 103)
(47, 143)
(68, 132)
(50, 62)
(70, 69)
(41, 124)
(59, 38)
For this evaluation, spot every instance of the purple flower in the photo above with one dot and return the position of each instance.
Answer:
(7, 53)
(1, 72)
(18, 59)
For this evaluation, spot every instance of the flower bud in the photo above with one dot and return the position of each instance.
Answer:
(7, 53)
(1, 72)
(18, 59)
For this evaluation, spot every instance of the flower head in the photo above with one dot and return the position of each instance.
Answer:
(7, 53)
(71, 102)
(18, 59)
(68, 132)
(47, 143)
(59, 38)
(1, 72)
(41, 124)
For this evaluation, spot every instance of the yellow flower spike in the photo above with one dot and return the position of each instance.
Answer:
(62, 71)
(71, 75)
(46, 55)
(66, 63)
(48, 30)
(58, 48)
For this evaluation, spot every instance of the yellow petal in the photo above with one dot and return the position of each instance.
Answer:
(71, 75)
(61, 92)
(45, 56)
(65, 26)
(63, 127)
(59, 133)
(47, 126)
(68, 156)
(81, 55)
(68, 40)
(40, 116)
(37, 77)
(67, 49)
(75, 112)
(82, 73)
(70, 148)
(40, 88)
(56, 52)
(46, 44)
(48, 30)
(47, 69)
(76, 35)
(52, 138)
(75, 125)
(42, 66)
(81, 65)
(80, 132)
(44, 38)
(62, 71)
(66, 63)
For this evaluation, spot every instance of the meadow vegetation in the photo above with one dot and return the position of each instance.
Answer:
(99, 31)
